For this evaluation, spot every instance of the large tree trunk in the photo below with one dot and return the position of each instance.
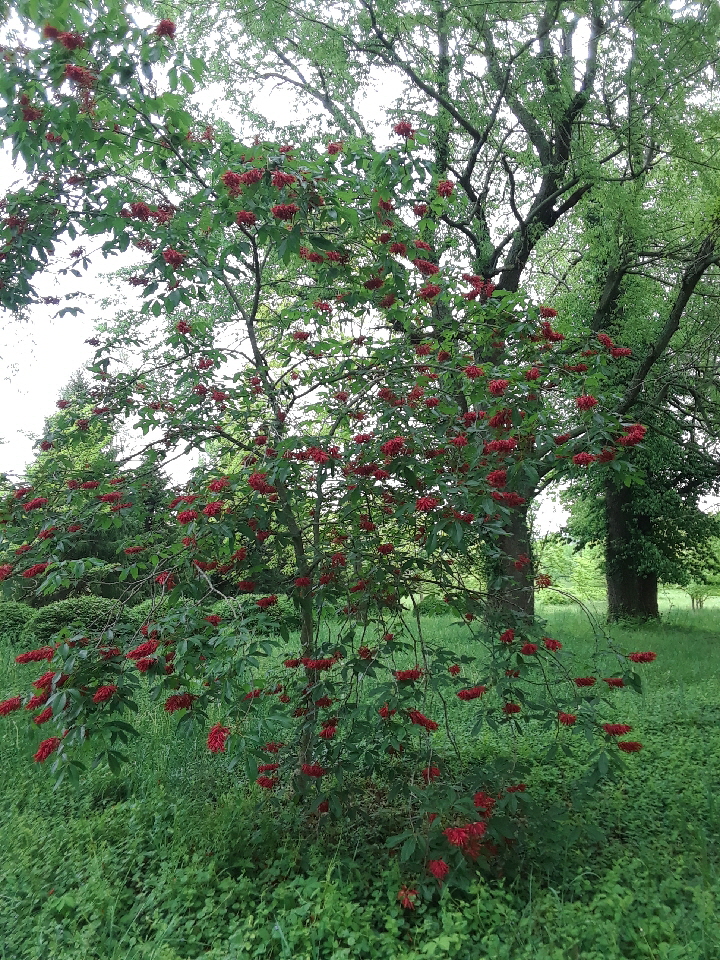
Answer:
(630, 594)
(511, 583)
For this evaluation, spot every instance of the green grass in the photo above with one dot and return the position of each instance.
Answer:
(179, 859)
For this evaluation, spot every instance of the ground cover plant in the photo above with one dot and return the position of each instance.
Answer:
(181, 857)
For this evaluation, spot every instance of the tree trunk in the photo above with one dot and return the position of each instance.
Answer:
(511, 584)
(631, 595)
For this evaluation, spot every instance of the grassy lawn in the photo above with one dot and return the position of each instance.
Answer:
(178, 858)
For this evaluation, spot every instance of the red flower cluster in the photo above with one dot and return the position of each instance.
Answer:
(35, 656)
(179, 701)
(285, 211)
(217, 737)
(634, 435)
(407, 897)
(425, 267)
(38, 700)
(173, 258)
(267, 783)
(497, 478)
(498, 387)
(438, 868)
(102, 694)
(114, 497)
(245, 218)
(484, 802)
(421, 720)
(430, 773)
(463, 836)
(425, 504)
(8, 706)
(445, 188)
(280, 179)
(216, 486)
(408, 675)
(509, 499)
(429, 292)
(404, 129)
(323, 663)
(642, 657)
(233, 181)
(392, 448)
(586, 402)
(472, 693)
(313, 770)
(617, 729)
(265, 602)
(80, 76)
(567, 719)
(166, 28)
(143, 650)
(46, 748)
(258, 483)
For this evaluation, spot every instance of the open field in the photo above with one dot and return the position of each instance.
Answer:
(178, 858)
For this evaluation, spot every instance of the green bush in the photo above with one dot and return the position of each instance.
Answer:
(283, 612)
(553, 599)
(14, 615)
(433, 605)
(76, 613)
(144, 611)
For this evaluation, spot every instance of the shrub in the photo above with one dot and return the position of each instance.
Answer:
(144, 611)
(433, 606)
(320, 513)
(552, 598)
(13, 618)
(284, 612)
(82, 613)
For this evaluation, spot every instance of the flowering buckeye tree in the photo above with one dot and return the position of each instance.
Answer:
(374, 420)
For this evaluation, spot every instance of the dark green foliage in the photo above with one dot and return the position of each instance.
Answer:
(14, 617)
(668, 535)
(432, 606)
(77, 614)
(284, 612)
